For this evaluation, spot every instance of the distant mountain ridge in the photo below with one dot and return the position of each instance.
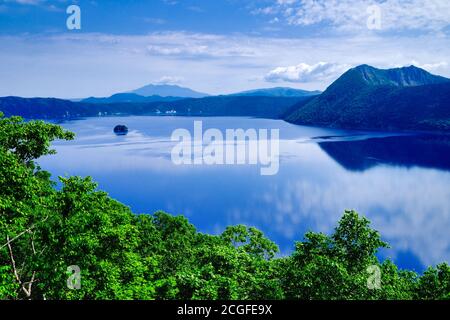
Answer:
(277, 92)
(129, 98)
(166, 93)
(58, 109)
(365, 97)
(167, 90)
(148, 93)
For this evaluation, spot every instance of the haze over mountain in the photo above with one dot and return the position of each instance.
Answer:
(183, 93)
(168, 90)
(148, 93)
(365, 97)
(277, 92)
(129, 98)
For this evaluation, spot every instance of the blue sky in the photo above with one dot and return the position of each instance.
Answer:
(132, 17)
(214, 46)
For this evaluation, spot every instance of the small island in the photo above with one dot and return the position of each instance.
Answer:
(121, 130)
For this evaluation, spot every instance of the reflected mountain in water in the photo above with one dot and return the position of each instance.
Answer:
(428, 151)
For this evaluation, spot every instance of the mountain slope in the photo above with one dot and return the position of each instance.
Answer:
(401, 77)
(42, 108)
(58, 109)
(277, 92)
(166, 90)
(368, 98)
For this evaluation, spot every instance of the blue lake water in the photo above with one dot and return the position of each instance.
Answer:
(401, 182)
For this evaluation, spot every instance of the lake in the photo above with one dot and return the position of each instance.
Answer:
(401, 182)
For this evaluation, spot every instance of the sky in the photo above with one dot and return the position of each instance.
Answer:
(212, 46)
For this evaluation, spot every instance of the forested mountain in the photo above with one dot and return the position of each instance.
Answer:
(277, 92)
(368, 98)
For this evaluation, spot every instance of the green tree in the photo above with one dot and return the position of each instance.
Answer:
(25, 203)
(434, 284)
(335, 267)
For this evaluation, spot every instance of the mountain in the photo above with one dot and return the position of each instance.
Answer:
(249, 106)
(365, 97)
(58, 109)
(166, 90)
(400, 77)
(277, 92)
(40, 108)
(128, 97)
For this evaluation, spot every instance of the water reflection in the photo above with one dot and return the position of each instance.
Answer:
(401, 183)
(428, 151)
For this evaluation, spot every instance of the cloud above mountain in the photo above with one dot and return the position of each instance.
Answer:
(197, 46)
(304, 72)
(170, 80)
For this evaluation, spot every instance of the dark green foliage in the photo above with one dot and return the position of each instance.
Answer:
(434, 284)
(31, 140)
(334, 267)
(44, 230)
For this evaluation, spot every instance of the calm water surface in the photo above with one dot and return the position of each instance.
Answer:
(400, 182)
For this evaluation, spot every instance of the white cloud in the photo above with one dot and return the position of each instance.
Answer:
(304, 72)
(197, 46)
(26, 2)
(44, 4)
(170, 50)
(170, 80)
(396, 15)
(437, 66)
(265, 10)
(170, 2)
